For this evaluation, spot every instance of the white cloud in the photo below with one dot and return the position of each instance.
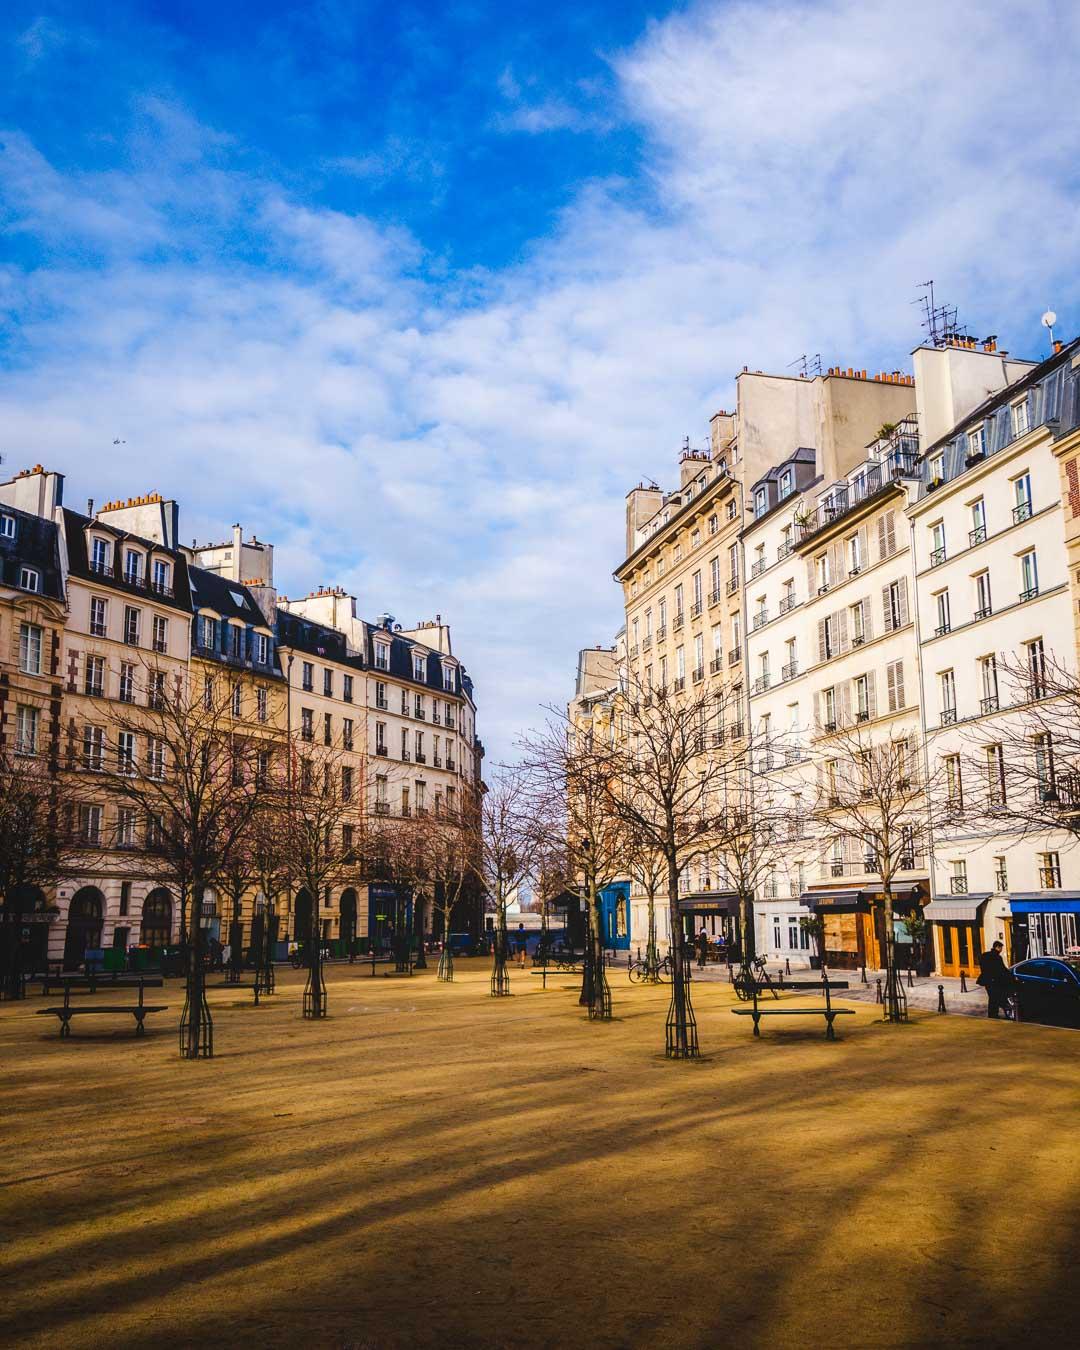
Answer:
(463, 445)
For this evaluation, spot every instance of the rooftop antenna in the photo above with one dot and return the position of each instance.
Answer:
(1048, 320)
(939, 320)
(808, 365)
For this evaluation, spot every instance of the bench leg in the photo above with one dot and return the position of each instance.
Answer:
(757, 1023)
(65, 1027)
(830, 1034)
(140, 1030)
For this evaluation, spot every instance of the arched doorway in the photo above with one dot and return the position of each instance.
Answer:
(303, 917)
(83, 926)
(347, 924)
(157, 911)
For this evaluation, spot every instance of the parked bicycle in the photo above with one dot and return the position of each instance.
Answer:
(638, 969)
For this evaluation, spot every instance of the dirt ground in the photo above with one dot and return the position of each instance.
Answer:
(433, 1167)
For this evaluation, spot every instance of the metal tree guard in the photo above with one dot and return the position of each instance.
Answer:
(196, 1024)
(895, 996)
(651, 972)
(681, 1040)
(446, 963)
(315, 989)
(500, 974)
(600, 999)
(236, 952)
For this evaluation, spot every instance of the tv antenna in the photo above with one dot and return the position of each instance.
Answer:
(939, 321)
(808, 365)
(1048, 320)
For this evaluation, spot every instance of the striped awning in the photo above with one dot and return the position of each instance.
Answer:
(957, 909)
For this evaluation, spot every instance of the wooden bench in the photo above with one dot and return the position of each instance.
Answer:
(828, 1012)
(561, 969)
(229, 984)
(92, 982)
(140, 1011)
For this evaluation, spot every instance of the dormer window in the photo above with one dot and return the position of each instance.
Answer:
(787, 484)
(162, 574)
(977, 442)
(29, 579)
(935, 468)
(419, 667)
(262, 649)
(206, 628)
(382, 656)
(1019, 414)
(7, 527)
(99, 555)
(761, 501)
(448, 678)
(132, 567)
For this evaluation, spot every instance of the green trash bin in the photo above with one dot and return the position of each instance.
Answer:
(114, 959)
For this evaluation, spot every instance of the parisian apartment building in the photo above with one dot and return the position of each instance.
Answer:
(106, 609)
(874, 556)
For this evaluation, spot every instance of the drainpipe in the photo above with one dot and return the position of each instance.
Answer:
(920, 667)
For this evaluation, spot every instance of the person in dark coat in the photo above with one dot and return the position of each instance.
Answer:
(702, 949)
(996, 978)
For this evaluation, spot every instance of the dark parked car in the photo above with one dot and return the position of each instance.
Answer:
(1048, 989)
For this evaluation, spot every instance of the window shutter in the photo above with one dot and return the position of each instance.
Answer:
(867, 618)
(890, 531)
(811, 577)
(840, 619)
(881, 539)
(886, 609)
(864, 545)
(890, 680)
(871, 693)
(845, 704)
(903, 602)
(821, 639)
(899, 684)
(837, 563)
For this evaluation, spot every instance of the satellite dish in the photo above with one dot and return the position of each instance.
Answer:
(1049, 319)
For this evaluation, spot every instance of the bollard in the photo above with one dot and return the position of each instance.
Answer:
(730, 974)
(877, 996)
(963, 982)
(941, 998)
(787, 965)
(910, 979)
(864, 979)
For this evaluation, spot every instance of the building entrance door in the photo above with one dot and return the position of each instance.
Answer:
(83, 926)
(958, 948)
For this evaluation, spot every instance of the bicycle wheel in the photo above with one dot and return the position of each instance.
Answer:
(635, 972)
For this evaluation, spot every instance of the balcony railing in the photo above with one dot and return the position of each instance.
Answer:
(695, 609)
(1050, 878)
(736, 731)
(1001, 880)
(716, 665)
(632, 654)
(787, 602)
(1021, 512)
(1029, 594)
(420, 757)
(937, 556)
(948, 716)
(761, 618)
(899, 463)
(757, 567)
(699, 674)
(733, 585)
(977, 536)
(942, 629)
(646, 644)
(958, 885)
(734, 656)
(784, 551)
(985, 612)
(989, 704)
(449, 763)
(680, 684)
(714, 596)
(789, 671)
(761, 684)
(661, 632)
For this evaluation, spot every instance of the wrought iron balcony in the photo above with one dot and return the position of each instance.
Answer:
(937, 556)
(1021, 512)
(989, 704)
(977, 536)
(985, 612)
(734, 656)
(733, 585)
(958, 885)
(716, 665)
(948, 716)
(1030, 594)
(789, 671)
(787, 602)
(714, 596)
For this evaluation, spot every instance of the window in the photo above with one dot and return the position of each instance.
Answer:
(894, 681)
(404, 703)
(99, 555)
(382, 656)
(346, 782)
(977, 442)
(26, 730)
(306, 775)
(262, 703)
(94, 682)
(983, 604)
(823, 573)
(695, 592)
(732, 509)
(156, 694)
(855, 555)
(662, 617)
(29, 579)
(327, 729)
(937, 544)
(828, 709)
(1022, 497)
(699, 657)
(695, 539)
(125, 838)
(1045, 771)
(262, 649)
(328, 683)
(977, 533)
(1036, 664)
(894, 603)
(761, 501)
(944, 623)
(676, 553)
(1029, 576)
(125, 752)
(959, 881)
(935, 468)
(30, 636)
(347, 733)
(127, 682)
(161, 577)
(380, 738)
(94, 748)
(132, 567)
(405, 808)
(954, 783)
(237, 701)
(787, 483)
(678, 606)
(131, 626)
(421, 798)
(90, 824)
(161, 634)
(347, 688)
(419, 667)
(1019, 417)
(1001, 873)
(989, 681)
(7, 527)
(827, 644)
(862, 698)
(98, 616)
(858, 616)
(1049, 871)
(995, 775)
(207, 634)
(307, 724)
(405, 743)
(714, 523)
(307, 677)
(947, 686)
(733, 566)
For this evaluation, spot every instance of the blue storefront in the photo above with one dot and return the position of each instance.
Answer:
(615, 915)
(1043, 926)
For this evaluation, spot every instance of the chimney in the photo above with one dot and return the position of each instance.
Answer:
(1058, 344)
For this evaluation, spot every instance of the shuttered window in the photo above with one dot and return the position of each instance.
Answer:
(894, 678)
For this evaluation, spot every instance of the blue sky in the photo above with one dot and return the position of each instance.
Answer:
(417, 292)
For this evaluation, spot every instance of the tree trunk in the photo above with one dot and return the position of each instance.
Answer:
(600, 993)
(681, 1031)
(895, 1000)
(418, 929)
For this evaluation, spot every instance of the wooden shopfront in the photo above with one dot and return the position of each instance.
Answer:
(958, 933)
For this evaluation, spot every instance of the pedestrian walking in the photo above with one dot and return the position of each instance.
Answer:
(997, 979)
(522, 939)
(702, 948)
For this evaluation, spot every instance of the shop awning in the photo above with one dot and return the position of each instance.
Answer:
(835, 902)
(903, 895)
(957, 909)
(709, 902)
(1045, 902)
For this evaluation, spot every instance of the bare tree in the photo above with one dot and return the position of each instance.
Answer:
(453, 851)
(666, 792)
(871, 802)
(648, 871)
(508, 841)
(552, 873)
(570, 771)
(191, 780)
(321, 818)
(35, 853)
